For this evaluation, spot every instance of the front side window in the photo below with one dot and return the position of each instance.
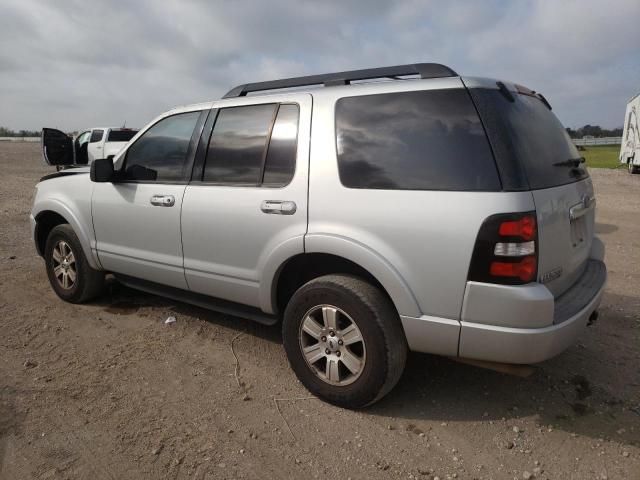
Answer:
(160, 153)
(96, 136)
(421, 140)
(253, 145)
(83, 138)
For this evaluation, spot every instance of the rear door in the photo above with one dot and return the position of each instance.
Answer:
(531, 144)
(57, 147)
(247, 202)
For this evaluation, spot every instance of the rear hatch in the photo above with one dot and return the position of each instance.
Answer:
(533, 152)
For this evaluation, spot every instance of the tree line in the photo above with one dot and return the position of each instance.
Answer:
(594, 131)
(6, 132)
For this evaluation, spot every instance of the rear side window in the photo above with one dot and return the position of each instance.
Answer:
(121, 135)
(253, 145)
(237, 144)
(280, 163)
(96, 136)
(423, 140)
(160, 154)
(532, 147)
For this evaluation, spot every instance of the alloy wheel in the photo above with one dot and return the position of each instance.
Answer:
(332, 345)
(64, 265)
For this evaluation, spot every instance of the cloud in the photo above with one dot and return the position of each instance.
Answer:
(75, 64)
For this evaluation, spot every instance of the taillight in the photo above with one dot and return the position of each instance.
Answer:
(524, 228)
(506, 250)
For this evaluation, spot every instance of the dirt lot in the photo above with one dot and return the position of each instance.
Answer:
(107, 390)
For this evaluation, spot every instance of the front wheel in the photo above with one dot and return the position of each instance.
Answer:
(69, 272)
(344, 340)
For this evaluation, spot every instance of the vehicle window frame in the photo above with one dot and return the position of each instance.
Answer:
(203, 148)
(499, 186)
(190, 156)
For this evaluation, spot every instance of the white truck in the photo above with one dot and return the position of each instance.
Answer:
(630, 147)
(85, 147)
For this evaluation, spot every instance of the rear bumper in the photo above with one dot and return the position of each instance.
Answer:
(565, 318)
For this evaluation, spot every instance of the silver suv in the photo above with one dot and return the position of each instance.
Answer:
(372, 211)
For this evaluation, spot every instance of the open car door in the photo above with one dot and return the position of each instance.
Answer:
(57, 147)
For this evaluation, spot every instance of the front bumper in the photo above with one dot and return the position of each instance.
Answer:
(569, 315)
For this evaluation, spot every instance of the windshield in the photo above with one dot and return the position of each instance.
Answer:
(121, 135)
(529, 142)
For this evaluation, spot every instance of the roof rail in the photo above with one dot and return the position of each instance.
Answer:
(425, 70)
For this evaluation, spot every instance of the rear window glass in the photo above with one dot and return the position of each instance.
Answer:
(121, 135)
(423, 140)
(237, 145)
(528, 139)
(280, 163)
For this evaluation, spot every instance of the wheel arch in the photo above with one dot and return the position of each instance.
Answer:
(326, 254)
(53, 214)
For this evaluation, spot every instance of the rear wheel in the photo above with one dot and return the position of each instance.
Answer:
(69, 273)
(344, 340)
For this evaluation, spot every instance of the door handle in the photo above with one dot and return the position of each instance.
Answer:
(163, 200)
(581, 208)
(278, 207)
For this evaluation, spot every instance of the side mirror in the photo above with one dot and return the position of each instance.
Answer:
(102, 170)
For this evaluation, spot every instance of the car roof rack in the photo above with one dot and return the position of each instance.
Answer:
(425, 70)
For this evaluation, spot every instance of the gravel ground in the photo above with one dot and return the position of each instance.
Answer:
(107, 390)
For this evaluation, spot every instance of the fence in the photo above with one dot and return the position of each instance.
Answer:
(598, 141)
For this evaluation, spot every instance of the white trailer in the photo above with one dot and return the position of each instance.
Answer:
(630, 146)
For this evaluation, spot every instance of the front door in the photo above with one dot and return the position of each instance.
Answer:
(137, 218)
(57, 147)
(247, 204)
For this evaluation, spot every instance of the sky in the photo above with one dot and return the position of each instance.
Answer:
(79, 64)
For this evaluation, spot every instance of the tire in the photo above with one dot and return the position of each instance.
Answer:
(69, 273)
(343, 300)
(632, 168)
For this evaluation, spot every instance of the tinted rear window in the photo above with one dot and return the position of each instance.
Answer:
(527, 139)
(423, 140)
(121, 135)
(280, 163)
